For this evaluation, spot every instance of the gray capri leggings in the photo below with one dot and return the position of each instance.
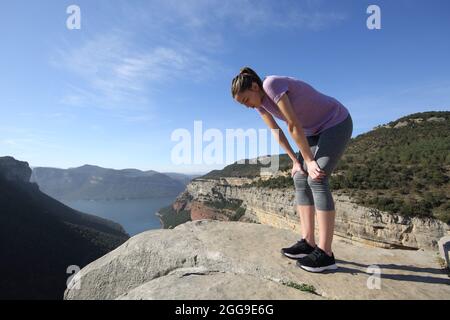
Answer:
(327, 148)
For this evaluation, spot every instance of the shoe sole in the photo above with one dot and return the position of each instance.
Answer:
(294, 256)
(319, 269)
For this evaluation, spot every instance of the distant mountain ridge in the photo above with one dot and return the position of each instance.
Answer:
(41, 237)
(183, 178)
(90, 182)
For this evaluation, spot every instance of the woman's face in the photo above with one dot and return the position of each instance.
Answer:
(251, 98)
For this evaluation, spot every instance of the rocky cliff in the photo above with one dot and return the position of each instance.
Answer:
(41, 238)
(207, 259)
(13, 170)
(276, 207)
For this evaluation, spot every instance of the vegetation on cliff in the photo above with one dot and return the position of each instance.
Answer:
(170, 218)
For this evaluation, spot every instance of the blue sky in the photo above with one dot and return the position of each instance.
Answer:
(113, 92)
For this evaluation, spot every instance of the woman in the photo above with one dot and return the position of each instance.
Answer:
(321, 127)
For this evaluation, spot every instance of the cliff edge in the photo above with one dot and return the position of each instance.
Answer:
(210, 259)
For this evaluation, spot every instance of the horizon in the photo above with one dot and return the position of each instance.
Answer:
(116, 169)
(113, 91)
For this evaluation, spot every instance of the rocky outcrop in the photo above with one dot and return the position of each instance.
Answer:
(387, 230)
(208, 259)
(276, 207)
(402, 124)
(14, 170)
(436, 119)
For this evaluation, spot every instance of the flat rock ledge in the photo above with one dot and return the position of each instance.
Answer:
(210, 259)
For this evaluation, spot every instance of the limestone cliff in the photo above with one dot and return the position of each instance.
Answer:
(276, 207)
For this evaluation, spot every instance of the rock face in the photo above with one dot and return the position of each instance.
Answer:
(383, 229)
(13, 170)
(209, 259)
(276, 207)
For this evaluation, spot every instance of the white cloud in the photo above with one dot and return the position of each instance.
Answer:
(213, 24)
(118, 74)
(160, 42)
(238, 14)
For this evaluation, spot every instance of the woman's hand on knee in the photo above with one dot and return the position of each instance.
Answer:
(314, 171)
(297, 167)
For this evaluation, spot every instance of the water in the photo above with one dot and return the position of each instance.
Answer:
(136, 215)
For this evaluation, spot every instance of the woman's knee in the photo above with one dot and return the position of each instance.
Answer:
(318, 184)
(323, 198)
(300, 181)
(303, 193)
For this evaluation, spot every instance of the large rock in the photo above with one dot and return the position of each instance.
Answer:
(209, 259)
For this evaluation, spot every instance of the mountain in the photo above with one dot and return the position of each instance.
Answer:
(96, 183)
(402, 167)
(40, 238)
(391, 188)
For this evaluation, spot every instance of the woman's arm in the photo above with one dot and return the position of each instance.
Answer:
(282, 140)
(296, 130)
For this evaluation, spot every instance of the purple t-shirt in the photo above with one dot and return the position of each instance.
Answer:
(315, 111)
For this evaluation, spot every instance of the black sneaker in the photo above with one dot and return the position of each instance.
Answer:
(317, 261)
(298, 250)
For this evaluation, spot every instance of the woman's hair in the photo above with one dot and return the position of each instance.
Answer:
(244, 80)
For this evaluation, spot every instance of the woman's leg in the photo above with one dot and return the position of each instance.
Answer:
(304, 198)
(330, 148)
(306, 214)
(326, 229)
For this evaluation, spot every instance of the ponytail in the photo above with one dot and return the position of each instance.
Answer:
(244, 80)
